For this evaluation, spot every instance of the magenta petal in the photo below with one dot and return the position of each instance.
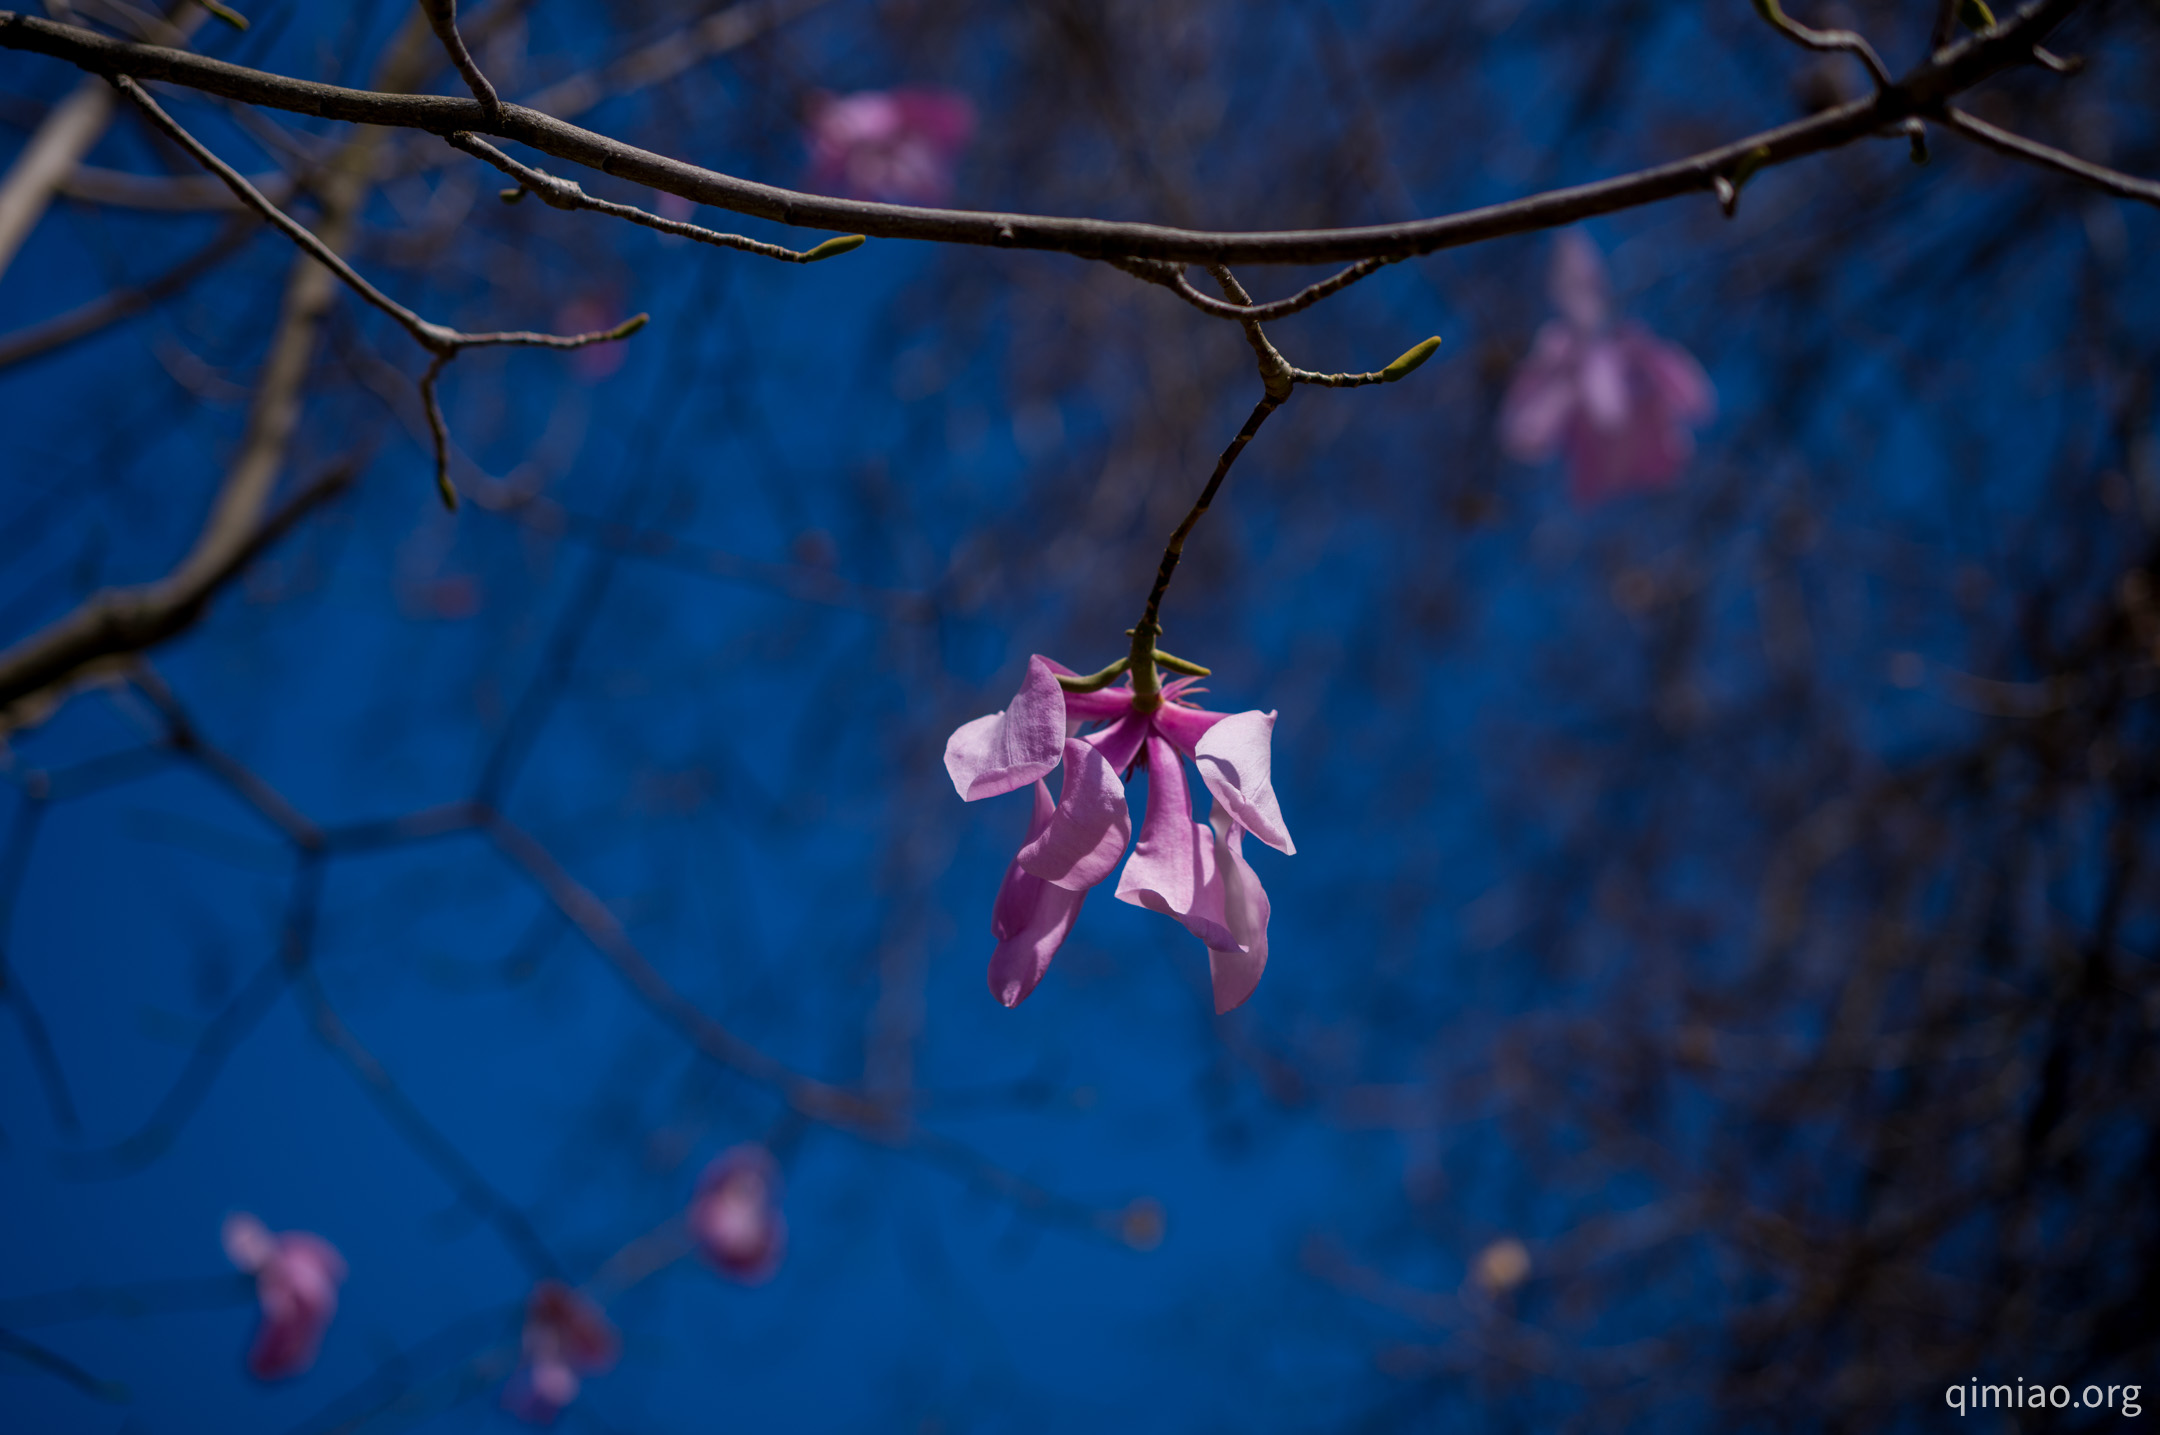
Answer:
(1172, 869)
(1009, 750)
(1023, 956)
(1236, 973)
(1237, 764)
(1671, 374)
(1120, 742)
(1030, 918)
(1087, 833)
(1184, 726)
(248, 1242)
(1099, 706)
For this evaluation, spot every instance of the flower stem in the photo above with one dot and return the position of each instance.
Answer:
(1147, 686)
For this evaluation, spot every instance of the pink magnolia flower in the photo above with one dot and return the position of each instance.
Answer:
(897, 145)
(1193, 872)
(735, 1216)
(566, 1336)
(1619, 400)
(296, 1279)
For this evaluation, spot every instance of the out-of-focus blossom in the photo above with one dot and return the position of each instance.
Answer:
(296, 1279)
(1193, 872)
(895, 145)
(735, 1216)
(566, 1336)
(1501, 1266)
(1618, 400)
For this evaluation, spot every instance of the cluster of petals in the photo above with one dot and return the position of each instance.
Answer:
(567, 1336)
(735, 1216)
(1616, 399)
(895, 145)
(1191, 871)
(297, 1275)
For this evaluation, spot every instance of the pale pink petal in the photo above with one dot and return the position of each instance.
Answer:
(1172, 869)
(1105, 705)
(1543, 397)
(1607, 401)
(900, 145)
(1578, 284)
(1235, 973)
(1008, 750)
(248, 1242)
(1237, 764)
(1087, 833)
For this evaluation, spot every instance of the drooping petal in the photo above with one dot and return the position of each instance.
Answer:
(1030, 918)
(297, 1287)
(1671, 374)
(1172, 869)
(1089, 829)
(1005, 751)
(1235, 971)
(1544, 396)
(1016, 898)
(1237, 764)
(1578, 284)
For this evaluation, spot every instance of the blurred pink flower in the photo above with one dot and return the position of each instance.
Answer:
(566, 1336)
(296, 1279)
(735, 1216)
(1619, 400)
(896, 145)
(1195, 873)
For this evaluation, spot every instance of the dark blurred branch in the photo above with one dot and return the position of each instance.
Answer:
(218, 1041)
(1828, 41)
(140, 1298)
(473, 1189)
(14, 862)
(109, 308)
(2122, 186)
(116, 622)
(1924, 89)
(29, 1352)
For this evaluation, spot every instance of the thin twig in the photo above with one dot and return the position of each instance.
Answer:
(44, 1055)
(1845, 41)
(48, 335)
(29, 1352)
(559, 193)
(1172, 277)
(2122, 186)
(442, 16)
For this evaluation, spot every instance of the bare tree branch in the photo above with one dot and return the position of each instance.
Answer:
(2122, 186)
(1921, 91)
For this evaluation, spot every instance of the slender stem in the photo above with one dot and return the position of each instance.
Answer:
(1147, 686)
(442, 18)
(2122, 186)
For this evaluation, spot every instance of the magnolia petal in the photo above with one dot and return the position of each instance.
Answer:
(1015, 903)
(1544, 397)
(1606, 397)
(248, 1242)
(1089, 829)
(1172, 869)
(1184, 726)
(1237, 764)
(1235, 972)
(1120, 742)
(1024, 956)
(1672, 374)
(1005, 751)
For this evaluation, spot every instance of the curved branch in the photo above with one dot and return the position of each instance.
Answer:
(2115, 182)
(1925, 88)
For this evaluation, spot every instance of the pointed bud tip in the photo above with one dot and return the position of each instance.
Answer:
(1409, 362)
(841, 244)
